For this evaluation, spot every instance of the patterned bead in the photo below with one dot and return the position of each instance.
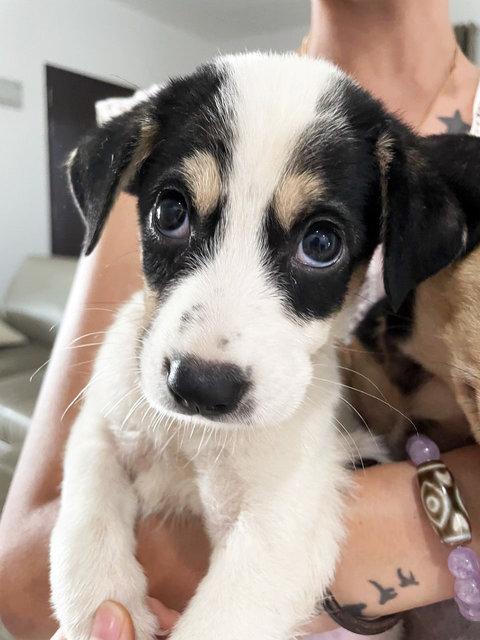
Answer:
(463, 562)
(447, 514)
(421, 449)
(443, 504)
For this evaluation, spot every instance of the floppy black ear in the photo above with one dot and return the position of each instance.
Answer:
(431, 207)
(107, 161)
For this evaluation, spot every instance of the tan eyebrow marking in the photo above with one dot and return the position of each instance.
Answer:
(202, 175)
(294, 193)
(146, 139)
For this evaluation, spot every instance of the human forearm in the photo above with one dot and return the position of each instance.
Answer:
(103, 281)
(175, 559)
(390, 541)
(24, 583)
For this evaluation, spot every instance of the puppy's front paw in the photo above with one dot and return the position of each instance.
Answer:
(144, 623)
(78, 591)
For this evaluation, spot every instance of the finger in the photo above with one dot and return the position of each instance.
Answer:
(167, 618)
(112, 622)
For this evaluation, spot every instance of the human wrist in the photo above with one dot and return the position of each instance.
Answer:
(391, 560)
(388, 531)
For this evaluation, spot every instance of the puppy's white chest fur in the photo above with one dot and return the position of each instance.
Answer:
(177, 464)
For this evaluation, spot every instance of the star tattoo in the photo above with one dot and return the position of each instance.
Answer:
(455, 124)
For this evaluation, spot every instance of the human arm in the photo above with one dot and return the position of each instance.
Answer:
(390, 541)
(103, 280)
(387, 532)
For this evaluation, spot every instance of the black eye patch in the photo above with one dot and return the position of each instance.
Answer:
(170, 256)
(314, 261)
(310, 291)
(191, 113)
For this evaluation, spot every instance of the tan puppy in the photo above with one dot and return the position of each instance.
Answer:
(422, 364)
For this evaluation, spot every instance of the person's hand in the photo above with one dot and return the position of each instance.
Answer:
(112, 621)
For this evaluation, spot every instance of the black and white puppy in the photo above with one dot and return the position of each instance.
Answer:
(264, 183)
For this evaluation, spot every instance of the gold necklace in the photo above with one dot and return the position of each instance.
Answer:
(445, 82)
(303, 51)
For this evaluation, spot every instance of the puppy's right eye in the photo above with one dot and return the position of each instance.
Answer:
(170, 215)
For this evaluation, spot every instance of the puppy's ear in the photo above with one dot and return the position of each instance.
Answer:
(107, 161)
(431, 206)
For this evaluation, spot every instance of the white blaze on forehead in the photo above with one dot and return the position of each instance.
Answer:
(274, 101)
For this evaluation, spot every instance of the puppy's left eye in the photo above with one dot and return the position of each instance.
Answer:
(170, 215)
(321, 245)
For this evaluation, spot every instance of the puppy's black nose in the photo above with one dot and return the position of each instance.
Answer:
(209, 388)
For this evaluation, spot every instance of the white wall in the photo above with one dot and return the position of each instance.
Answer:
(97, 37)
(285, 40)
(467, 11)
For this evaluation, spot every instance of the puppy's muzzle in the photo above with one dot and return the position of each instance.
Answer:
(208, 388)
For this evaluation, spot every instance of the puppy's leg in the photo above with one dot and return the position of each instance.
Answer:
(92, 550)
(268, 571)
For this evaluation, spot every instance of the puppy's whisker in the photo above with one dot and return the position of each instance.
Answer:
(316, 405)
(361, 375)
(38, 370)
(346, 386)
(353, 441)
(82, 346)
(80, 394)
(221, 449)
(167, 442)
(87, 335)
(107, 411)
(199, 448)
(347, 443)
(135, 405)
(354, 409)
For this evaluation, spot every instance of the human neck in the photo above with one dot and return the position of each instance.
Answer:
(399, 50)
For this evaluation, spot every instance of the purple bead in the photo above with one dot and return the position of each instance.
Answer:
(471, 613)
(463, 562)
(468, 590)
(421, 449)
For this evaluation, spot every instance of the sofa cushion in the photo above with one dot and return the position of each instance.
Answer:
(18, 394)
(36, 297)
(27, 357)
(17, 400)
(10, 337)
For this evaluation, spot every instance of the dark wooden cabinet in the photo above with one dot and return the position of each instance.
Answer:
(71, 101)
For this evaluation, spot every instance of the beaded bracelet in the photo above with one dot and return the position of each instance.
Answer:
(448, 516)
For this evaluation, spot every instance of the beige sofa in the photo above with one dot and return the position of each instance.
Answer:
(30, 314)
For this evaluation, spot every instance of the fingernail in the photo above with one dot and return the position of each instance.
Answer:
(107, 623)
